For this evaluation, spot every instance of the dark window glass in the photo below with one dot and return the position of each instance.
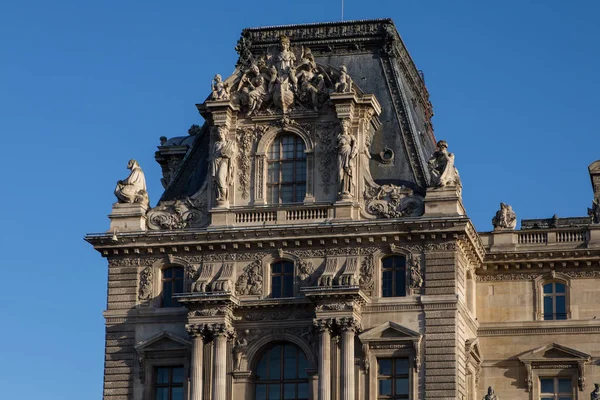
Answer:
(393, 276)
(392, 377)
(286, 170)
(282, 279)
(556, 389)
(554, 299)
(281, 374)
(168, 383)
(172, 283)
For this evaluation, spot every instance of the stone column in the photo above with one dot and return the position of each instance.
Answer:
(348, 328)
(221, 334)
(196, 367)
(196, 332)
(323, 326)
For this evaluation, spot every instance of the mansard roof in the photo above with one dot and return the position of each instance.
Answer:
(378, 63)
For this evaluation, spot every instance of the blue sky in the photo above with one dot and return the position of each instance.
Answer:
(85, 86)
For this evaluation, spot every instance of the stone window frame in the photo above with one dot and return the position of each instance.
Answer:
(155, 282)
(148, 359)
(260, 163)
(473, 367)
(539, 283)
(378, 257)
(266, 271)
(408, 346)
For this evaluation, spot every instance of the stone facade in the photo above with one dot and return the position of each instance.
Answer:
(192, 282)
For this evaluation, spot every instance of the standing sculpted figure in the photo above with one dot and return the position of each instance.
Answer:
(344, 83)
(505, 218)
(219, 89)
(224, 151)
(286, 58)
(347, 151)
(490, 394)
(133, 188)
(441, 166)
(240, 348)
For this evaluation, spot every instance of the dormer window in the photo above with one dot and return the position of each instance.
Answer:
(286, 170)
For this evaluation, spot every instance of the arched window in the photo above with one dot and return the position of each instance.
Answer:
(555, 304)
(281, 374)
(282, 279)
(286, 170)
(393, 276)
(172, 283)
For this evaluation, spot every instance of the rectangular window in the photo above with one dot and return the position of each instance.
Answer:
(556, 388)
(168, 383)
(392, 378)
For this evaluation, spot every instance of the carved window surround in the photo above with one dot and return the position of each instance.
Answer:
(150, 279)
(391, 340)
(378, 257)
(539, 283)
(474, 361)
(266, 271)
(260, 162)
(164, 349)
(551, 361)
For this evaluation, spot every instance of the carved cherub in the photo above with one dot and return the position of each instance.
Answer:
(220, 91)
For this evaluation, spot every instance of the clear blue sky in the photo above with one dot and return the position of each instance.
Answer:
(85, 86)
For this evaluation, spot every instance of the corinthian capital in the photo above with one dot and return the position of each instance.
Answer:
(323, 324)
(348, 324)
(196, 330)
(220, 329)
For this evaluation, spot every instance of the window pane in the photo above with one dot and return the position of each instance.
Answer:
(275, 392)
(565, 398)
(386, 286)
(273, 173)
(560, 288)
(561, 309)
(401, 366)
(385, 367)
(547, 385)
(178, 272)
(287, 194)
(177, 375)
(288, 268)
(275, 363)
(261, 370)
(564, 385)
(287, 172)
(300, 193)
(548, 288)
(162, 375)
(178, 283)
(289, 391)
(276, 268)
(274, 150)
(300, 171)
(261, 392)
(385, 387)
(402, 386)
(168, 273)
(288, 286)
(167, 294)
(548, 310)
(177, 393)
(276, 286)
(302, 365)
(289, 362)
(400, 282)
(303, 391)
(387, 262)
(162, 393)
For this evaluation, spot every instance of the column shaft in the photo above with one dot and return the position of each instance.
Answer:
(347, 375)
(219, 367)
(196, 368)
(324, 365)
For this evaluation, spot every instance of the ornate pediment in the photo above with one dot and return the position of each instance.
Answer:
(389, 331)
(554, 352)
(164, 341)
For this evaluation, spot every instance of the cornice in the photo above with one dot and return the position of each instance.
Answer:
(538, 328)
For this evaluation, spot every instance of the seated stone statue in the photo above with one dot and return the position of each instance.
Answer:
(441, 166)
(133, 188)
(490, 395)
(505, 218)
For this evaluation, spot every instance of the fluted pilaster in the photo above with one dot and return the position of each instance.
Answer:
(197, 333)
(221, 333)
(348, 328)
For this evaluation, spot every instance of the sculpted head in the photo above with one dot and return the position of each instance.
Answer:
(218, 78)
(490, 390)
(285, 42)
(344, 69)
(222, 130)
(345, 127)
(132, 164)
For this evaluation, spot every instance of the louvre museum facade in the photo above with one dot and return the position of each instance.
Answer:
(311, 243)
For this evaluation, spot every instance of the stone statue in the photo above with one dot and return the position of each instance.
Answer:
(219, 89)
(347, 151)
(490, 394)
(344, 83)
(441, 166)
(416, 277)
(505, 218)
(286, 58)
(133, 188)
(595, 395)
(223, 160)
(239, 350)
(594, 212)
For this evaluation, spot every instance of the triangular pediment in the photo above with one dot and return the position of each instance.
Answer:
(554, 352)
(389, 331)
(162, 341)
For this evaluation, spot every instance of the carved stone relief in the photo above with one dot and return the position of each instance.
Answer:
(250, 282)
(146, 284)
(191, 212)
(247, 138)
(391, 201)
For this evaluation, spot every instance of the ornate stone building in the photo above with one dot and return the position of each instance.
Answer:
(311, 243)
